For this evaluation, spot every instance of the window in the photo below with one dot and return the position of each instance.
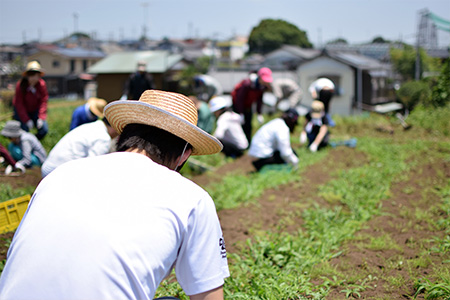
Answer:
(56, 64)
(85, 65)
(72, 66)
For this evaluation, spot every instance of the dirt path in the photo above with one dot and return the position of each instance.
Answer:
(400, 265)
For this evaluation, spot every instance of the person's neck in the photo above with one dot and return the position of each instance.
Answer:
(143, 152)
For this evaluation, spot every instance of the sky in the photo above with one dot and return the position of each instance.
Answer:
(357, 21)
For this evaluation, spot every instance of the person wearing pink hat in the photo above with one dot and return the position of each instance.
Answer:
(250, 91)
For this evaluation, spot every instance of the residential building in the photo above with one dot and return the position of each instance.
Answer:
(65, 68)
(113, 71)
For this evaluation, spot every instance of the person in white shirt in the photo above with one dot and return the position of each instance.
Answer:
(323, 90)
(228, 128)
(87, 140)
(117, 231)
(271, 143)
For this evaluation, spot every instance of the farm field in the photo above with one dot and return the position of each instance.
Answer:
(371, 222)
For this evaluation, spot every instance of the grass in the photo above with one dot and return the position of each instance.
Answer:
(279, 265)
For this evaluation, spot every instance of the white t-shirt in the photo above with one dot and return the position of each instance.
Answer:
(89, 139)
(229, 129)
(114, 233)
(272, 136)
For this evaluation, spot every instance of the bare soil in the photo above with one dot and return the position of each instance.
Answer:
(407, 196)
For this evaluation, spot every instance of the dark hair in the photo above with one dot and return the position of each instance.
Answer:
(162, 146)
(325, 95)
(290, 117)
(24, 85)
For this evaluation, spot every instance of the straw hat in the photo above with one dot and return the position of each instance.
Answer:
(172, 112)
(317, 109)
(33, 66)
(12, 129)
(96, 106)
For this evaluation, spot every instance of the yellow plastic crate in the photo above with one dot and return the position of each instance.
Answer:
(11, 212)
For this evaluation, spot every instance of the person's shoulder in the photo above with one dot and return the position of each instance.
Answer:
(28, 136)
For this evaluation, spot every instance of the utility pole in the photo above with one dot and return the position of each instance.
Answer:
(144, 27)
(75, 22)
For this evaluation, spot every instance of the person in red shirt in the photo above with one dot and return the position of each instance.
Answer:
(30, 100)
(247, 92)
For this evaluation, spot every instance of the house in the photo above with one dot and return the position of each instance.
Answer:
(113, 71)
(65, 68)
(361, 82)
(234, 49)
(9, 67)
(289, 57)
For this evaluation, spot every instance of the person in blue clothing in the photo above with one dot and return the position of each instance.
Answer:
(89, 112)
(323, 90)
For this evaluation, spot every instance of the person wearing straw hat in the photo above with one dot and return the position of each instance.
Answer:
(88, 112)
(25, 148)
(30, 100)
(228, 128)
(90, 139)
(315, 130)
(271, 144)
(116, 225)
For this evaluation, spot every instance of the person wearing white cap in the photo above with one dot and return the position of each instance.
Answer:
(30, 100)
(315, 130)
(228, 128)
(88, 112)
(323, 89)
(116, 225)
(206, 87)
(248, 92)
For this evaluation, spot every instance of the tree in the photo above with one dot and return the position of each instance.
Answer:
(413, 93)
(404, 61)
(380, 40)
(441, 91)
(338, 41)
(271, 34)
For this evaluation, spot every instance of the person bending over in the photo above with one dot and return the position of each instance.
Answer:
(114, 226)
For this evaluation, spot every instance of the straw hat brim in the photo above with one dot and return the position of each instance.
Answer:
(93, 107)
(123, 112)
